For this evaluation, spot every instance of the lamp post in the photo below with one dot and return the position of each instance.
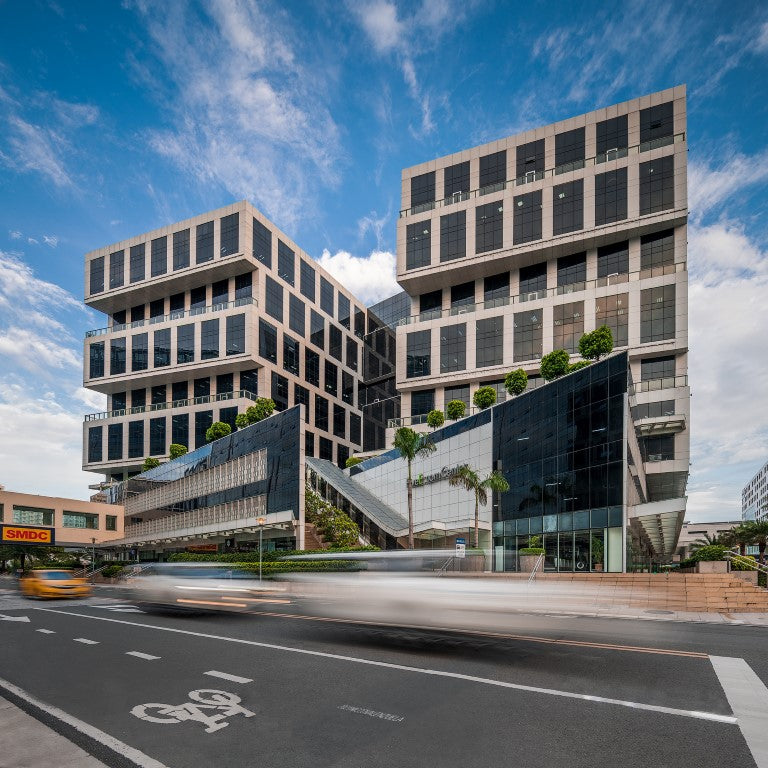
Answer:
(260, 522)
(93, 556)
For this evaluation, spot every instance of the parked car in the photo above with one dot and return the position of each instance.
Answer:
(53, 583)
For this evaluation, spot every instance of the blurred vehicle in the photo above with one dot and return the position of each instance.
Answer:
(200, 587)
(53, 583)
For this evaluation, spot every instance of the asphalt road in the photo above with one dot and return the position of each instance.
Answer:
(306, 692)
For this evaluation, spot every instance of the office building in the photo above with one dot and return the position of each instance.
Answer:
(754, 497)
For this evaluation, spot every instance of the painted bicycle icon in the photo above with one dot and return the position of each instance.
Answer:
(207, 706)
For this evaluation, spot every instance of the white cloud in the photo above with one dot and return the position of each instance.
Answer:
(32, 241)
(375, 224)
(35, 148)
(370, 278)
(14, 234)
(51, 240)
(18, 282)
(380, 22)
(94, 400)
(761, 40)
(36, 353)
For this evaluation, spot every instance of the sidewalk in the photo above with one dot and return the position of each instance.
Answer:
(27, 743)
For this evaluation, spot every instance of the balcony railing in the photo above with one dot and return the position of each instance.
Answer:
(652, 385)
(221, 397)
(533, 176)
(176, 315)
(543, 293)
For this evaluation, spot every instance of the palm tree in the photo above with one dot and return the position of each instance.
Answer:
(412, 444)
(741, 535)
(706, 541)
(759, 532)
(465, 477)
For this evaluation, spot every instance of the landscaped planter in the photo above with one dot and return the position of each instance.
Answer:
(712, 566)
(528, 562)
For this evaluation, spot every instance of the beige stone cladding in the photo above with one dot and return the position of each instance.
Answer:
(76, 522)
(590, 227)
(203, 316)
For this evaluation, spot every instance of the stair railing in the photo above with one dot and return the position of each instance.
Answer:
(539, 563)
(444, 567)
(733, 555)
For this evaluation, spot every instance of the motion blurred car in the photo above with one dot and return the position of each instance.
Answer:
(200, 588)
(53, 583)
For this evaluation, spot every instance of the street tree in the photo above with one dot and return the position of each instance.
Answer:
(411, 444)
(467, 478)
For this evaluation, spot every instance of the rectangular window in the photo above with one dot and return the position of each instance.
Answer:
(279, 391)
(137, 263)
(162, 347)
(611, 137)
(335, 348)
(571, 272)
(96, 360)
(225, 383)
(118, 401)
(197, 298)
(493, 172)
(418, 244)
(139, 352)
(430, 305)
(613, 259)
(496, 290)
(202, 387)
(311, 367)
(456, 182)
(568, 207)
(180, 429)
(457, 393)
(423, 190)
(309, 444)
(658, 448)
(321, 412)
(610, 196)
(176, 305)
(274, 298)
(453, 348)
(203, 421)
(326, 296)
(114, 442)
(453, 237)
(262, 244)
(23, 515)
(569, 150)
(527, 218)
(229, 234)
(331, 378)
(657, 314)
(344, 311)
(355, 424)
(326, 449)
(568, 326)
(267, 341)
(462, 295)
(359, 323)
(138, 398)
(656, 126)
(528, 335)
(181, 249)
(654, 368)
(286, 263)
(317, 329)
(157, 310)
(352, 354)
(301, 397)
(159, 256)
(135, 439)
(96, 275)
(138, 314)
(657, 185)
(613, 312)
(179, 391)
(657, 253)
(533, 282)
(220, 293)
(80, 520)
(249, 381)
(291, 352)
(339, 421)
(489, 226)
(418, 353)
(94, 444)
(307, 280)
(185, 344)
(530, 162)
(204, 242)
(422, 402)
(158, 394)
(498, 386)
(157, 436)
(489, 346)
(116, 269)
(347, 388)
(110, 522)
(243, 287)
(235, 334)
(209, 339)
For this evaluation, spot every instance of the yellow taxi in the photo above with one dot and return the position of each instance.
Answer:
(53, 583)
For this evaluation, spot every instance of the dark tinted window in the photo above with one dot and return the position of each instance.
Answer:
(463, 295)
(489, 342)
(423, 189)
(136, 439)
(185, 343)
(296, 314)
(611, 134)
(204, 242)
(339, 420)
(493, 169)
(157, 436)
(137, 263)
(116, 269)
(568, 322)
(96, 360)
(657, 185)
(568, 207)
(244, 286)
(235, 331)
(286, 262)
(613, 311)
(267, 341)
(453, 236)
(453, 348)
(569, 150)
(162, 347)
(181, 249)
(610, 196)
(533, 278)
(418, 353)
(456, 180)
(657, 368)
(311, 367)
(344, 311)
(613, 259)
(229, 234)
(657, 250)
(657, 314)
(572, 270)
(114, 442)
(317, 329)
(418, 244)
(489, 227)
(249, 381)
(94, 443)
(273, 294)
(180, 429)
(530, 160)
(220, 292)
(262, 244)
(326, 296)
(139, 352)
(429, 302)
(159, 256)
(291, 352)
(527, 217)
(279, 391)
(209, 339)
(117, 356)
(308, 281)
(321, 412)
(422, 402)
(203, 420)
(528, 335)
(301, 397)
(496, 287)
(331, 383)
(335, 348)
(656, 122)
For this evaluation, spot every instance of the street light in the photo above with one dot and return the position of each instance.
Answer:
(93, 556)
(260, 522)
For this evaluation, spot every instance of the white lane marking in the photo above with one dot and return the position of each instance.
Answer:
(85, 641)
(46, 631)
(140, 655)
(711, 716)
(227, 676)
(372, 713)
(121, 748)
(748, 697)
(119, 608)
(3, 617)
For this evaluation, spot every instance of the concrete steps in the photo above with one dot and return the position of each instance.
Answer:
(312, 539)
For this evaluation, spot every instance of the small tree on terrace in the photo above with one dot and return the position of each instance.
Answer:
(484, 398)
(594, 345)
(217, 430)
(260, 410)
(353, 461)
(176, 449)
(467, 478)
(412, 444)
(555, 364)
(435, 419)
(150, 463)
(455, 409)
(516, 382)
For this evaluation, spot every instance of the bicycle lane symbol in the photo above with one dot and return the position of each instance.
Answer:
(207, 706)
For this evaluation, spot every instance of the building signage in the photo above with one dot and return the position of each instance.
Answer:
(436, 477)
(27, 534)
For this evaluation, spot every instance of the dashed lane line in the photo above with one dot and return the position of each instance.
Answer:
(710, 716)
(85, 641)
(227, 676)
(46, 631)
(140, 655)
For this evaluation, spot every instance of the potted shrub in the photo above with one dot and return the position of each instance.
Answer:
(597, 554)
(711, 559)
(530, 554)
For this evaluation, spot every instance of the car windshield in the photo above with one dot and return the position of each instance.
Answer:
(55, 575)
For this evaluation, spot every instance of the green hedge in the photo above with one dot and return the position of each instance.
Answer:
(253, 557)
(531, 551)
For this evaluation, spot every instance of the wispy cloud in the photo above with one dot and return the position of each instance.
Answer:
(51, 240)
(374, 224)
(34, 148)
(14, 234)
(370, 278)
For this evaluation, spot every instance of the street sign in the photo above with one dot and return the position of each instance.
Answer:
(27, 534)
(461, 550)
(460, 540)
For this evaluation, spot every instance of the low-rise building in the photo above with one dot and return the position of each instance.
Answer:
(693, 532)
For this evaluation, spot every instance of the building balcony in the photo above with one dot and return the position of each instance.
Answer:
(653, 385)
(660, 425)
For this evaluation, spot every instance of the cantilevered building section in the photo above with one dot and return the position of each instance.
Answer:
(204, 316)
(516, 248)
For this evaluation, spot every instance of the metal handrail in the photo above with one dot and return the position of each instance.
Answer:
(732, 554)
(531, 177)
(444, 567)
(539, 562)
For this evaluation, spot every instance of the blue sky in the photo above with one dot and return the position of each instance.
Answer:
(116, 118)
